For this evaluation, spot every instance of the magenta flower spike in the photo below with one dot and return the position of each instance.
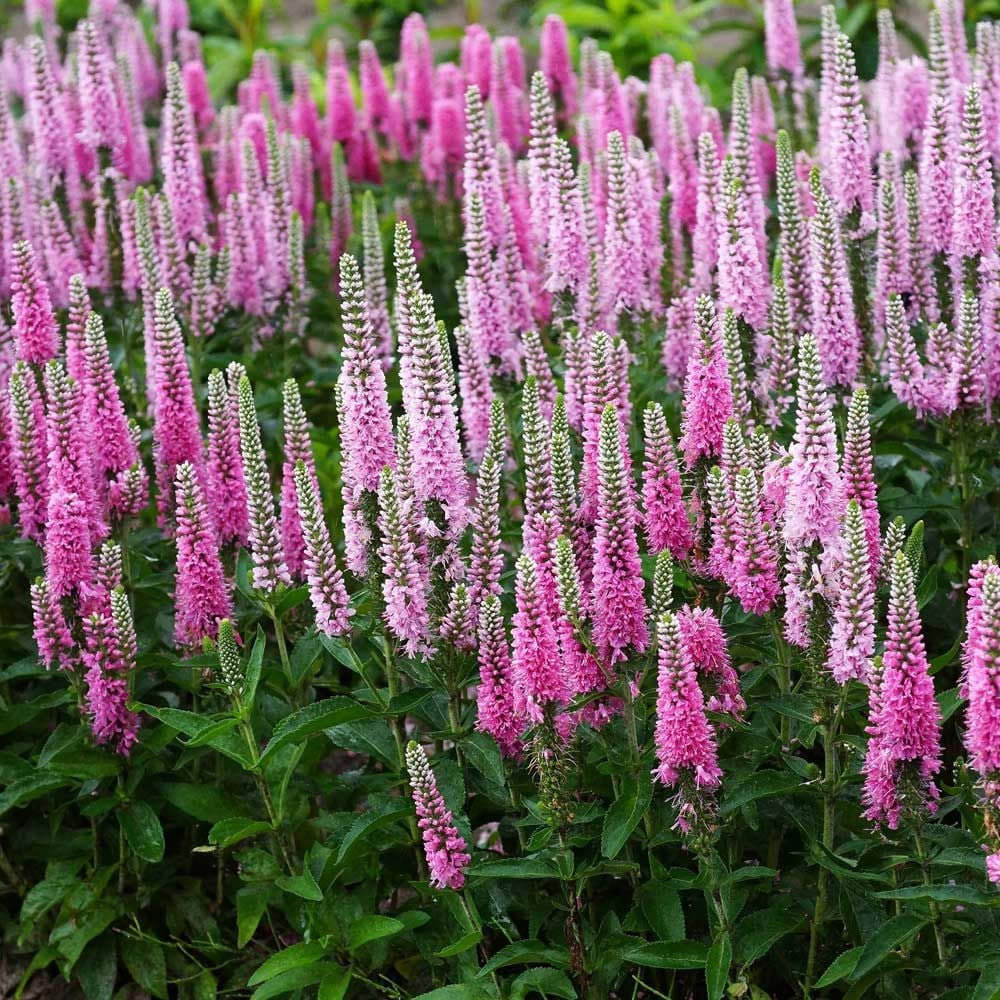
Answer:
(537, 666)
(666, 522)
(51, 630)
(107, 423)
(444, 847)
(834, 324)
(486, 558)
(495, 698)
(892, 251)
(619, 607)
(705, 238)
(76, 321)
(36, 333)
(416, 70)
(298, 448)
(906, 374)
(29, 451)
(226, 489)
(859, 475)
(555, 63)
(708, 396)
(438, 466)
(781, 39)
(404, 587)
(705, 644)
(109, 656)
(623, 280)
(176, 425)
(755, 558)
(973, 233)
(847, 159)
(852, 638)
(982, 688)
(904, 749)
(814, 500)
(266, 552)
(201, 596)
(326, 584)
(743, 282)
(180, 162)
(937, 169)
(685, 743)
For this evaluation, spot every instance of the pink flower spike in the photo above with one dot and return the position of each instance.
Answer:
(705, 644)
(495, 696)
(619, 606)
(685, 743)
(444, 847)
(904, 749)
(852, 639)
(36, 333)
(781, 38)
(201, 597)
(666, 523)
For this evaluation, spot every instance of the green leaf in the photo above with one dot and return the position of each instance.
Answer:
(368, 822)
(97, 968)
(142, 830)
(513, 868)
(204, 802)
(760, 785)
(145, 960)
(547, 982)
(463, 991)
(303, 885)
(296, 979)
(27, 789)
(661, 906)
(312, 719)
(626, 813)
(526, 952)
(964, 895)
(251, 902)
(464, 943)
(231, 831)
(213, 732)
(988, 984)
(371, 928)
(303, 953)
(372, 737)
(843, 965)
(758, 932)
(669, 955)
(335, 987)
(189, 723)
(483, 754)
(890, 935)
(255, 664)
(720, 957)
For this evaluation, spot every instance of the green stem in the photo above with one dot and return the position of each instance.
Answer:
(279, 636)
(925, 877)
(476, 925)
(829, 816)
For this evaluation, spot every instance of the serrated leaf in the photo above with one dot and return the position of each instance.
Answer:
(843, 965)
(368, 822)
(758, 932)
(251, 678)
(661, 906)
(963, 895)
(761, 785)
(142, 830)
(513, 868)
(27, 789)
(313, 719)
(204, 802)
(547, 982)
(147, 963)
(295, 979)
(462, 991)
(231, 831)
(526, 952)
(669, 955)
(251, 902)
(483, 754)
(464, 943)
(890, 935)
(296, 955)
(98, 967)
(371, 928)
(303, 885)
(720, 957)
(626, 813)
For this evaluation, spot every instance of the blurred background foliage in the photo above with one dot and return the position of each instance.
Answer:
(718, 35)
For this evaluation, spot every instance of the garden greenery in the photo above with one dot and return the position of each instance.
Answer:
(472, 531)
